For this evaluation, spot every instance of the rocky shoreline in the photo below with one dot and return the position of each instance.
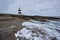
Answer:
(9, 25)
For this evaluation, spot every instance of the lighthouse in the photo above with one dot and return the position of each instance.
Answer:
(19, 11)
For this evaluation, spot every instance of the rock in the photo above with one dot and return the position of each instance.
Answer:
(54, 38)
(9, 28)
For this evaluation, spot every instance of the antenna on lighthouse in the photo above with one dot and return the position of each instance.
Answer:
(19, 11)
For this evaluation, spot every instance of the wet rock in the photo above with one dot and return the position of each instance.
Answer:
(8, 28)
(54, 38)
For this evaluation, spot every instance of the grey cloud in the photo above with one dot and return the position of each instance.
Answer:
(4, 4)
(35, 7)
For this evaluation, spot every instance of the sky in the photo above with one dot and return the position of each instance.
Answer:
(31, 7)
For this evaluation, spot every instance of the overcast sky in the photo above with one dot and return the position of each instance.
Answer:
(31, 7)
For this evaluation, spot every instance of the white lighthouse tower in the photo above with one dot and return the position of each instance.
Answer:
(19, 11)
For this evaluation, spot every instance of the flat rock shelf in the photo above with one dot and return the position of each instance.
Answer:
(8, 28)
